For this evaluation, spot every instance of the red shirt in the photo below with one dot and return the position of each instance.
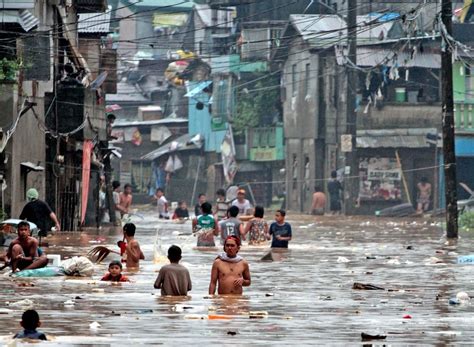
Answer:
(108, 277)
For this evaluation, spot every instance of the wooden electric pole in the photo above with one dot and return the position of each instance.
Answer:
(448, 125)
(351, 191)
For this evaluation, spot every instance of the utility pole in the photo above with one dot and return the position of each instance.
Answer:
(351, 185)
(448, 126)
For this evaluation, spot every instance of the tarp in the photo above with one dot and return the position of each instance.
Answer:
(86, 174)
(197, 89)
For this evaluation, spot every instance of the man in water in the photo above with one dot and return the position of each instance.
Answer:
(424, 195)
(319, 202)
(38, 212)
(23, 252)
(245, 208)
(126, 199)
(230, 272)
(335, 191)
(232, 225)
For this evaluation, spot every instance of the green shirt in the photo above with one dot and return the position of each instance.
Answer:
(206, 221)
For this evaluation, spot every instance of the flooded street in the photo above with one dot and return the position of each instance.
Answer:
(308, 295)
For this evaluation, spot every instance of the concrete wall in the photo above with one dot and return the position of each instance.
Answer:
(314, 119)
(401, 116)
(90, 50)
(28, 142)
(128, 32)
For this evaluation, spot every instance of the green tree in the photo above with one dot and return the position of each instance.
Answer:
(254, 105)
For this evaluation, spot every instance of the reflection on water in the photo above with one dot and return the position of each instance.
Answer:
(304, 296)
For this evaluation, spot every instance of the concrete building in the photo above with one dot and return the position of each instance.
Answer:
(398, 97)
(27, 158)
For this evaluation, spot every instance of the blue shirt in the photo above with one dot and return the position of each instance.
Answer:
(30, 334)
(283, 230)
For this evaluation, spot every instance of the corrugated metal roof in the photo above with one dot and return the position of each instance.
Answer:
(394, 138)
(372, 56)
(22, 17)
(182, 143)
(320, 27)
(326, 30)
(90, 23)
(119, 124)
(17, 4)
(161, 5)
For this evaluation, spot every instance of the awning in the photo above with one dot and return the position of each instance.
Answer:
(23, 17)
(199, 87)
(31, 167)
(394, 138)
(182, 143)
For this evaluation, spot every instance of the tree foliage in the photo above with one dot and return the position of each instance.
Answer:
(254, 105)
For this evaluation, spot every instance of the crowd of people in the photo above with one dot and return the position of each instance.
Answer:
(232, 221)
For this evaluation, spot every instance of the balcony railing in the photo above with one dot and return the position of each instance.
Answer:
(464, 117)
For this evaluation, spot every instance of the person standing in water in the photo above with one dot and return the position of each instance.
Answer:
(319, 202)
(424, 195)
(205, 226)
(174, 279)
(257, 227)
(335, 192)
(280, 230)
(126, 199)
(38, 212)
(230, 272)
(133, 254)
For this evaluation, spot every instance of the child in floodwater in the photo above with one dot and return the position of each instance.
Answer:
(133, 254)
(257, 227)
(181, 212)
(30, 321)
(280, 230)
(115, 273)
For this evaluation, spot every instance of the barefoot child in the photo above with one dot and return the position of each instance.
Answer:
(30, 321)
(257, 227)
(133, 253)
(115, 273)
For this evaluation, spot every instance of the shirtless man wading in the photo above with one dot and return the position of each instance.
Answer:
(229, 270)
(23, 252)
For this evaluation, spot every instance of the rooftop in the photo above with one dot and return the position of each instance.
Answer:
(160, 5)
(91, 23)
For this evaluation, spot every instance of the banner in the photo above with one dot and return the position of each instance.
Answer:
(228, 156)
(86, 174)
(380, 179)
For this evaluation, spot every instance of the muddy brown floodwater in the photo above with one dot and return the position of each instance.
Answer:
(308, 295)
